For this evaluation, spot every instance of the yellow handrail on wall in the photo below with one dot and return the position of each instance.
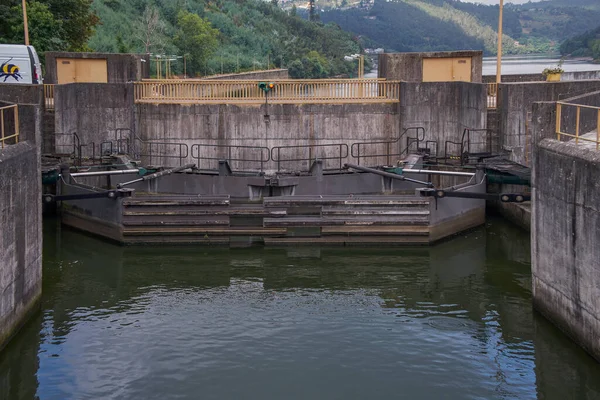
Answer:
(492, 95)
(49, 96)
(6, 122)
(287, 91)
(561, 107)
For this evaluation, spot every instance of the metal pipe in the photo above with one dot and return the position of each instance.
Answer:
(433, 172)
(102, 173)
(387, 174)
(156, 175)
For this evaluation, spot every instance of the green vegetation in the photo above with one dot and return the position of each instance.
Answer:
(420, 25)
(53, 24)
(252, 34)
(585, 45)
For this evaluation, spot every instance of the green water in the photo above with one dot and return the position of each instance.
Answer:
(452, 321)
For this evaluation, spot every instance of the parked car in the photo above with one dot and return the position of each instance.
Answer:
(19, 64)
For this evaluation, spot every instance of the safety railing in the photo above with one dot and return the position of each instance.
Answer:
(9, 125)
(391, 148)
(492, 95)
(161, 153)
(250, 156)
(576, 119)
(284, 91)
(310, 153)
(49, 96)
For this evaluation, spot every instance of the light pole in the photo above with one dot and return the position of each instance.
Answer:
(499, 56)
(25, 26)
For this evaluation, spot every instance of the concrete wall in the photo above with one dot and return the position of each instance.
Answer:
(20, 238)
(515, 106)
(409, 66)
(267, 75)
(93, 111)
(121, 68)
(445, 109)
(301, 125)
(565, 237)
(565, 76)
(30, 99)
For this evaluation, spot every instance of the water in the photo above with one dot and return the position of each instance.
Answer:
(451, 321)
(534, 64)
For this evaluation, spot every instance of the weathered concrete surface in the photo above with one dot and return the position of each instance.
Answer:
(20, 238)
(121, 68)
(445, 109)
(298, 125)
(270, 75)
(515, 106)
(93, 111)
(409, 66)
(30, 99)
(565, 76)
(565, 237)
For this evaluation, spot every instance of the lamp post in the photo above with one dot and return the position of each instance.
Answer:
(25, 26)
(499, 57)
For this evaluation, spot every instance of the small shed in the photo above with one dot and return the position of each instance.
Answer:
(64, 67)
(441, 66)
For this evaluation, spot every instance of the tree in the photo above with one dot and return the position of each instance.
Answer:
(53, 24)
(196, 38)
(150, 29)
(294, 11)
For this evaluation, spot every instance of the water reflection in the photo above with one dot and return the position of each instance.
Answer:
(452, 321)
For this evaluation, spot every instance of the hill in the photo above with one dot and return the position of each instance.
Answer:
(251, 34)
(419, 25)
(585, 45)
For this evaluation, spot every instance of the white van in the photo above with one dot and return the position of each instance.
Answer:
(19, 64)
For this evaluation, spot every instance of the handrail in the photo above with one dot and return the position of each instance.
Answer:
(232, 153)
(288, 91)
(492, 95)
(355, 148)
(578, 122)
(7, 123)
(49, 96)
(312, 154)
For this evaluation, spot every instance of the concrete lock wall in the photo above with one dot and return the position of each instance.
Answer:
(121, 68)
(300, 125)
(409, 66)
(266, 75)
(21, 238)
(515, 106)
(445, 109)
(30, 99)
(565, 237)
(93, 111)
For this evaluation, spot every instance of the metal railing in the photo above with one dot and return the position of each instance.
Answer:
(310, 153)
(152, 152)
(492, 95)
(9, 125)
(284, 91)
(369, 150)
(49, 96)
(230, 153)
(589, 121)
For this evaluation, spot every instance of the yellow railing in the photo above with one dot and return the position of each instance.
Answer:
(564, 113)
(49, 97)
(284, 91)
(9, 125)
(492, 95)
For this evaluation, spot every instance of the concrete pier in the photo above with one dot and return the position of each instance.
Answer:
(20, 238)
(565, 237)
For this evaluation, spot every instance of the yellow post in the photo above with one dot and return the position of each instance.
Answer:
(16, 124)
(25, 25)
(577, 125)
(2, 127)
(499, 57)
(558, 118)
(598, 131)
